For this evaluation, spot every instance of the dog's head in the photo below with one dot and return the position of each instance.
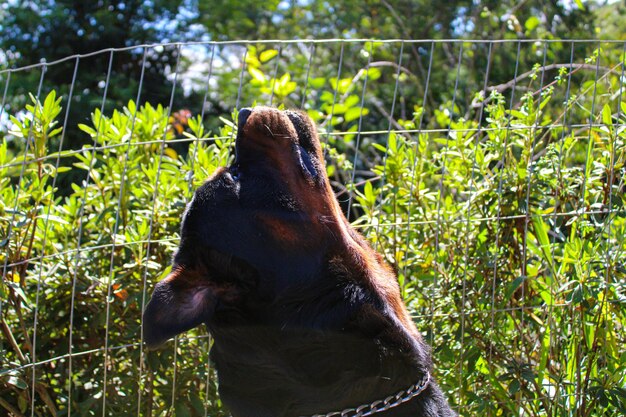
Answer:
(272, 212)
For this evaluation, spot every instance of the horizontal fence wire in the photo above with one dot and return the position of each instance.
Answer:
(497, 195)
(314, 41)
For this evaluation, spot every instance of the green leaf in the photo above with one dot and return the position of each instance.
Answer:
(607, 115)
(57, 219)
(17, 382)
(514, 387)
(541, 233)
(368, 192)
(257, 74)
(181, 410)
(55, 132)
(513, 286)
(373, 74)
(351, 100)
(196, 403)
(87, 129)
(267, 55)
(531, 23)
(317, 83)
(354, 113)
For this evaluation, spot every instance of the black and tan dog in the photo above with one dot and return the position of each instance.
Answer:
(307, 319)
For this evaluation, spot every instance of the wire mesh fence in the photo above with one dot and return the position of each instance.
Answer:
(498, 199)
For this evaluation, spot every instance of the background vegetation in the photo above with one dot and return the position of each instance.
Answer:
(489, 174)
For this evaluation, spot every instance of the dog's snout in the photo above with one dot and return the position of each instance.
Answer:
(243, 117)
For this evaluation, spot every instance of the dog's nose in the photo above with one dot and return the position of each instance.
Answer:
(243, 116)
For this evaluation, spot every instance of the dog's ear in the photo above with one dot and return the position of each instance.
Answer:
(183, 300)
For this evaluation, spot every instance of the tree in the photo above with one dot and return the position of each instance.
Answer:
(37, 30)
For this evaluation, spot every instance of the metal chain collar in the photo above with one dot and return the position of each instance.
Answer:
(383, 405)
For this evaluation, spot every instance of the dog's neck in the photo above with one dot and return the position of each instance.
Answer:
(322, 344)
(266, 371)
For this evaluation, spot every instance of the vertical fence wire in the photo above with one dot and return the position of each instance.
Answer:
(8, 237)
(45, 235)
(358, 134)
(190, 178)
(386, 155)
(154, 200)
(608, 267)
(581, 216)
(190, 174)
(29, 140)
(239, 89)
(115, 229)
(499, 206)
(140, 386)
(461, 386)
(308, 72)
(413, 175)
(77, 258)
(208, 343)
(412, 188)
(527, 209)
(275, 76)
(566, 122)
(4, 94)
(329, 120)
(440, 188)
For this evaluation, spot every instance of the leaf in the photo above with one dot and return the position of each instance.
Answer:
(513, 286)
(17, 382)
(481, 366)
(355, 113)
(87, 129)
(267, 55)
(317, 83)
(373, 74)
(17, 289)
(55, 132)
(181, 410)
(607, 116)
(171, 153)
(50, 99)
(368, 192)
(257, 74)
(132, 107)
(56, 219)
(514, 386)
(351, 101)
(531, 23)
(541, 233)
(22, 403)
(196, 403)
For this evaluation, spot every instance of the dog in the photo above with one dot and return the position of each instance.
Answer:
(307, 318)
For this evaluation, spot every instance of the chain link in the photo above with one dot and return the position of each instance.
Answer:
(382, 405)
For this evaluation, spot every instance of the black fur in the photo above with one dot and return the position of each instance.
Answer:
(289, 292)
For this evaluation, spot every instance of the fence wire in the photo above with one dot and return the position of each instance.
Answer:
(499, 201)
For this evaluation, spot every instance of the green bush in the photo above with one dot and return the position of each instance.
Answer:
(507, 235)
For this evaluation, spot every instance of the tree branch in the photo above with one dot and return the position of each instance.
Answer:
(575, 67)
